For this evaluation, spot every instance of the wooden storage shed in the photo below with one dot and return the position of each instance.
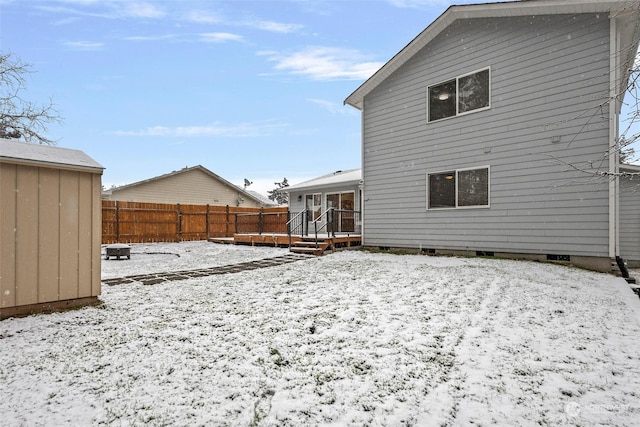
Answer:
(50, 228)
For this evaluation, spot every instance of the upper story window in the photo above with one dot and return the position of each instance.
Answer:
(464, 94)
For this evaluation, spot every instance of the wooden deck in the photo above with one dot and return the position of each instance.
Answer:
(300, 244)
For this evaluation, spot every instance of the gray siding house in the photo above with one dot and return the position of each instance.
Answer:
(479, 135)
(339, 190)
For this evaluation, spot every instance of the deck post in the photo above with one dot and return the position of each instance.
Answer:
(305, 223)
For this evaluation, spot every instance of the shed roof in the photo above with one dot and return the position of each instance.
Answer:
(351, 176)
(626, 10)
(46, 156)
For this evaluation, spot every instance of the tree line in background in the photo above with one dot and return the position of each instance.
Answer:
(279, 194)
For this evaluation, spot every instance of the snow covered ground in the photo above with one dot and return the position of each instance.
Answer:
(350, 338)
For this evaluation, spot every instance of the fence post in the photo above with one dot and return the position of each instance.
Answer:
(227, 222)
(179, 222)
(207, 224)
(117, 221)
(260, 222)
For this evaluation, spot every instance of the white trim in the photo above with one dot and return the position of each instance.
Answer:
(613, 149)
(485, 10)
(313, 203)
(488, 205)
(363, 183)
(457, 79)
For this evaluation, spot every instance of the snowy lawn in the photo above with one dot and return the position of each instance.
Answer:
(350, 338)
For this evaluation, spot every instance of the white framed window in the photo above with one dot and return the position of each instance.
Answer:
(313, 204)
(464, 94)
(459, 188)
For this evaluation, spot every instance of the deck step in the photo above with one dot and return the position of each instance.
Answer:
(309, 243)
(307, 251)
(309, 246)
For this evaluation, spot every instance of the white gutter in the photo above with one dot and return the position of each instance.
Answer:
(614, 76)
(361, 186)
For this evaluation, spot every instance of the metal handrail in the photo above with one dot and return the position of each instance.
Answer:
(319, 219)
(299, 223)
(332, 215)
(295, 217)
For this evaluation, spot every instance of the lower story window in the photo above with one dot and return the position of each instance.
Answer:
(462, 188)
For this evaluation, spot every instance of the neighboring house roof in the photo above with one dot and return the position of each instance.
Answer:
(47, 156)
(352, 176)
(629, 168)
(627, 10)
(265, 200)
(201, 168)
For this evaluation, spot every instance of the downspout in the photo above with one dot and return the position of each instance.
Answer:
(363, 199)
(614, 78)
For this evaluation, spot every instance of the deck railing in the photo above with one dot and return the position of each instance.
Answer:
(297, 224)
(341, 221)
(262, 222)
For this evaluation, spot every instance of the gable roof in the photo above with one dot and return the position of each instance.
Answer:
(626, 10)
(264, 199)
(201, 168)
(351, 176)
(47, 156)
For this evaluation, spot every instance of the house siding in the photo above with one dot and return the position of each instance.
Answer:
(191, 187)
(630, 220)
(549, 77)
(296, 205)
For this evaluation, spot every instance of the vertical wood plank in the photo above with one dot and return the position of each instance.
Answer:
(48, 235)
(85, 236)
(27, 236)
(96, 222)
(69, 234)
(8, 192)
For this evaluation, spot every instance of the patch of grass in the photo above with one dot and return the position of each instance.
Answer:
(277, 358)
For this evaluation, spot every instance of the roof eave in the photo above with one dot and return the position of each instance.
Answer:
(321, 186)
(55, 165)
(629, 168)
(486, 10)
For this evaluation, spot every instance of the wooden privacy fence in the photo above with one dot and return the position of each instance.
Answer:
(136, 222)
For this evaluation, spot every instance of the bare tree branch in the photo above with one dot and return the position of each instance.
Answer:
(21, 119)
